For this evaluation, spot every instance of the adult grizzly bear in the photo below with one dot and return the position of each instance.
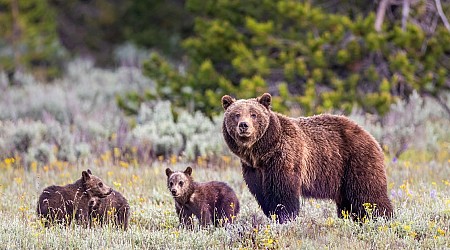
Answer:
(211, 202)
(62, 204)
(113, 209)
(323, 156)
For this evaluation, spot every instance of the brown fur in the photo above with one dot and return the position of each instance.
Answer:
(211, 202)
(323, 156)
(62, 204)
(112, 209)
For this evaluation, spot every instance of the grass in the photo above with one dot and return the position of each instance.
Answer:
(420, 192)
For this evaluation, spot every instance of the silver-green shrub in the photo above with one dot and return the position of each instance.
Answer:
(42, 153)
(190, 135)
(417, 123)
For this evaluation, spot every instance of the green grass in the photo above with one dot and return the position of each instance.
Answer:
(420, 193)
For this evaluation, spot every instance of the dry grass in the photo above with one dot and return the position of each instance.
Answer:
(420, 192)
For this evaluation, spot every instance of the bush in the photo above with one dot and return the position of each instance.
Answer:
(304, 55)
(190, 135)
(416, 124)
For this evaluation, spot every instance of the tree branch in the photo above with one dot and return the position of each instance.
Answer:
(442, 15)
(381, 11)
(405, 13)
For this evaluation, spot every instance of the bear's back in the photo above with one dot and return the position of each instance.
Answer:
(216, 196)
(217, 190)
(60, 194)
(335, 129)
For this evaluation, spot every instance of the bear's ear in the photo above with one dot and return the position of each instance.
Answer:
(85, 175)
(188, 171)
(227, 101)
(265, 100)
(89, 171)
(168, 172)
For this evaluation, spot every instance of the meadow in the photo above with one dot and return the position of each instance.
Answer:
(51, 132)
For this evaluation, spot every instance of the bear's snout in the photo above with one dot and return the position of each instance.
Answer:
(174, 192)
(243, 127)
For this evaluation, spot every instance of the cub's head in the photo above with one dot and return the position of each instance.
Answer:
(94, 186)
(179, 183)
(94, 204)
(246, 120)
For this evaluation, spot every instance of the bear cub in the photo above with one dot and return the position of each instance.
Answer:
(211, 202)
(113, 209)
(62, 204)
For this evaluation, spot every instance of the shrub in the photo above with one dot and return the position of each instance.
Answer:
(191, 135)
(414, 124)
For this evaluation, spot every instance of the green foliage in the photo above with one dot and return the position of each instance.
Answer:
(197, 91)
(28, 38)
(323, 59)
(91, 28)
(157, 24)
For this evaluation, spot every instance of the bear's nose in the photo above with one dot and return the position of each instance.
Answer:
(243, 126)
(173, 191)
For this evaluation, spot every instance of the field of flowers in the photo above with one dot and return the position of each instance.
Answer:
(51, 132)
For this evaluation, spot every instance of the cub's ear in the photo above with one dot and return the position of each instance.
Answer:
(188, 171)
(265, 100)
(85, 175)
(227, 101)
(89, 171)
(168, 172)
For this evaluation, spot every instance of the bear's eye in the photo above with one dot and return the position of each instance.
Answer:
(100, 184)
(181, 183)
(253, 116)
(170, 184)
(237, 116)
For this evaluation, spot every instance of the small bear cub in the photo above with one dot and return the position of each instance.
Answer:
(62, 204)
(113, 209)
(211, 202)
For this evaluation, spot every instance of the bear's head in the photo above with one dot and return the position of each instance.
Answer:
(179, 183)
(246, 120)
(94, 186)
(94, 204)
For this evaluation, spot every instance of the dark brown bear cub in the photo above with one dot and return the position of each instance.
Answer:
(62, 204)
(113, 209)
(323, 156)
(211, 202)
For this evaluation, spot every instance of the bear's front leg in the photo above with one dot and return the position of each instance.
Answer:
(253, 179)
(206, 218)
(185, 217)
(281, 195)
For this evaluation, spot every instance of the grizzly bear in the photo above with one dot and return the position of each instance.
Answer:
(211, 202)
(323, 156)
(62, 204)
(113, 209)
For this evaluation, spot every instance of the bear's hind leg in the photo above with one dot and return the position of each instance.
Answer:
(344, 208)
(369, 201)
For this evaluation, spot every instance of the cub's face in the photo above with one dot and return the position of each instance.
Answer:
(94, 203)
(94, 185)
(246, 121)
(178, 182)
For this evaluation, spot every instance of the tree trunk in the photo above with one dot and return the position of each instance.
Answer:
(15, 33)
(405, 13)
(381, 11)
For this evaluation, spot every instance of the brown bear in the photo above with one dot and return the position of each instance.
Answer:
(323, 156)
(62, 204)
(211, 202)
(113, 209)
